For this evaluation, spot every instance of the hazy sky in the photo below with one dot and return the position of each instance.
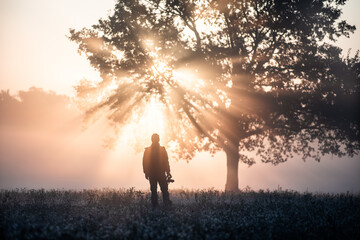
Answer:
(36, 52)
(33, 44)
(55, 152)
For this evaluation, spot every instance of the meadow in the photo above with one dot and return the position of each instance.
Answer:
(195, 214)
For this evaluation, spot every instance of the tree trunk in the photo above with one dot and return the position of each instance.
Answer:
(232, 179)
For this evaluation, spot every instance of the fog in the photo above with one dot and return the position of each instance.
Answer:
(44, 143)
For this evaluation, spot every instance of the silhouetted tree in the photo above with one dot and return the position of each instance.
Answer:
(239, 76)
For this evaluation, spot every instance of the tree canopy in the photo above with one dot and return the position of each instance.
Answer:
(234, 75)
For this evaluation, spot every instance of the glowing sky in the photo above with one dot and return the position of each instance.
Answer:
(34, 48)
(34, 51)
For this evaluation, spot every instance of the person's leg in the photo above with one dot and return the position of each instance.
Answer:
(165, 192)
(153, 188)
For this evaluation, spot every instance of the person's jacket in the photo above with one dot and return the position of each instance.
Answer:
(155, 161)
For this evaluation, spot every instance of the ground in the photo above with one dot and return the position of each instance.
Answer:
(195, 214)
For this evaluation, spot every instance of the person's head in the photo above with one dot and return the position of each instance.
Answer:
(155, 138)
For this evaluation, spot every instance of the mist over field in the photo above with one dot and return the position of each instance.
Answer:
(44, 143)
(126, 214)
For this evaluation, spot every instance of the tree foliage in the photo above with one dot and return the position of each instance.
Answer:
(232, 75)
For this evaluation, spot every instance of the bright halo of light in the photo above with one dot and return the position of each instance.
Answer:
(153, 118)
(188, 79)
(150, 121)
(160, 67)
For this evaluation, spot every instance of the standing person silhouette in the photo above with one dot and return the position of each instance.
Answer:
(157, 170)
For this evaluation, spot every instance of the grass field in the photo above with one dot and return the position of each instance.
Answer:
(202, 214)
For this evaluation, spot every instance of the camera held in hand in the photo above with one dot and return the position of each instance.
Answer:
(169, 179)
